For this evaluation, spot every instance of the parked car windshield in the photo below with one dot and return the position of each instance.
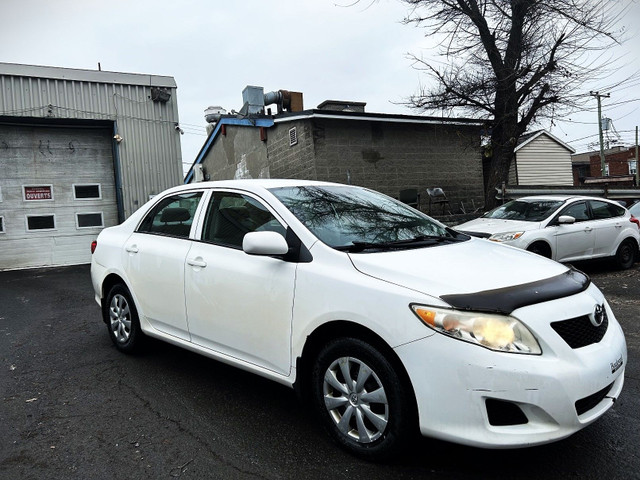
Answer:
(357, 219)
(527, 210)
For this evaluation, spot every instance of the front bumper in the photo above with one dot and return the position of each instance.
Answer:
(453, 380)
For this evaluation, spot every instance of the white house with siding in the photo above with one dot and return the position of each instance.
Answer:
(541, 159)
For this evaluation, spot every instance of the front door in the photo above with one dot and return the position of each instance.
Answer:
(239, 304)
(575, 241)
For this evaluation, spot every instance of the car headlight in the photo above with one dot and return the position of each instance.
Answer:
(496, 332)
(505, 237)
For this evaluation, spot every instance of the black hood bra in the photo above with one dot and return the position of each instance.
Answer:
(506, 300)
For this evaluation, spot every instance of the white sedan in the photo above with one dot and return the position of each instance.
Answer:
(565, 229)
(386, 320)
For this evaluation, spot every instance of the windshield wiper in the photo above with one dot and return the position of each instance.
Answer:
(418, 241)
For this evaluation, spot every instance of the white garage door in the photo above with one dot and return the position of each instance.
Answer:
(57, 192)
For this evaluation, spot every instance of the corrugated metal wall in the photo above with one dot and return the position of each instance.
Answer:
(149, 155)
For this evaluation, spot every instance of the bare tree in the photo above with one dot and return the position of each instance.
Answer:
(513, 62)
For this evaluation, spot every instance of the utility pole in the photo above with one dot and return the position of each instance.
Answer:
(598, 97)
(637, 164)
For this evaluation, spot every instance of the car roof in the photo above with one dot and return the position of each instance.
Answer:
(252, 184)
(561, 198)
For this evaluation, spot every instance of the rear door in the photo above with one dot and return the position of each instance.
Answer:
(239, 304)
(154, 260)
(608, 222)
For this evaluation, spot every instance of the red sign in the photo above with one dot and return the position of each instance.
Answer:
(38, 193)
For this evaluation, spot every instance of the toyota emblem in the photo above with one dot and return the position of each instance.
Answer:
(598, 316)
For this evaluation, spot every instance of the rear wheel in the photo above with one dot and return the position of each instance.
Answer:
(360, 399)
(626, 254)
(122, 321)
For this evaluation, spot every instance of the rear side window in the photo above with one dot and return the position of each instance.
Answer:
(231, 216)
(602, 210)
(172, 216)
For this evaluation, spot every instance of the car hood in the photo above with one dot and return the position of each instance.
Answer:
(471, 266)
(496, 225)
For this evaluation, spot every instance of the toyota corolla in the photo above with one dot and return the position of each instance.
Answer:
(386, 320)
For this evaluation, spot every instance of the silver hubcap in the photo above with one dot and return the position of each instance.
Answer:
(356, 400)
(120, 318)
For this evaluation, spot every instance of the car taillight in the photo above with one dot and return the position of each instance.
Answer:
(635, 220)
(94, 244)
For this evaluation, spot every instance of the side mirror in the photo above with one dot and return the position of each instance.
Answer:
(264, 243)
(566, 219)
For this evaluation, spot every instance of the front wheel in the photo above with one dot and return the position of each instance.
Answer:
(625, 255)
(540, 248)
(122, 321)
(360, 399)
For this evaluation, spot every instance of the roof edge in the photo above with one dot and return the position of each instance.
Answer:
(96, 76)
(550, 135)
(379, 117)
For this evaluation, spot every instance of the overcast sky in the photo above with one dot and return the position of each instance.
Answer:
(325, 49)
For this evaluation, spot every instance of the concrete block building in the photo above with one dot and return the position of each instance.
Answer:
(340, 142)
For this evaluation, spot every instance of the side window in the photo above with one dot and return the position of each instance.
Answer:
(172, 216)
(231, 216)
(578, 211)
(603, 210)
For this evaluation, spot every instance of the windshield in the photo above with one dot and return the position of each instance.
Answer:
(355, 219)
(527, 210)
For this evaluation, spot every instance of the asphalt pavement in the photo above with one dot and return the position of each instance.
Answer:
(73, 407)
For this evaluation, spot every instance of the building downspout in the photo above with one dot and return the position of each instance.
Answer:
(117, 173)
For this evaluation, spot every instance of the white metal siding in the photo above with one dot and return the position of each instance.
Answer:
(544, 162)
(149, 154)
(59, 157)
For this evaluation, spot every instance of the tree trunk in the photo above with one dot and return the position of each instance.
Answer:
(503, 141)
(498, 173)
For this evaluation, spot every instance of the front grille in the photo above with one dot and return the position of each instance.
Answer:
(579, 332)
(587, 403)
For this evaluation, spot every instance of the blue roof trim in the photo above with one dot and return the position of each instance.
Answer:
(245, 122)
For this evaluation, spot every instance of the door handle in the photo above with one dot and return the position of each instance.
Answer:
(197, 262)
(131, 248)
(587, 229)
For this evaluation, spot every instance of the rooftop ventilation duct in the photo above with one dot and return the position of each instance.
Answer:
(254, 100)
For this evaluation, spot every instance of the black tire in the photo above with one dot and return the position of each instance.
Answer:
(373, 427)
(540, 248)
(121, 316)
(625, 255)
